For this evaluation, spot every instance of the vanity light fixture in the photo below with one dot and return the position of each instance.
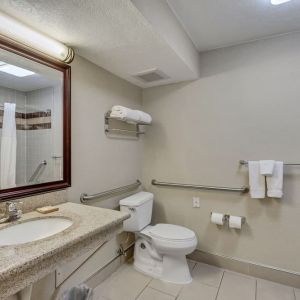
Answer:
(14, 70)
(278, 2)
(18, 32)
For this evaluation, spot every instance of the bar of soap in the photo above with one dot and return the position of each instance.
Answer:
(47, 209)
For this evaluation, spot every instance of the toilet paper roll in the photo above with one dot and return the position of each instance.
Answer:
(235, 222)
(217, 218)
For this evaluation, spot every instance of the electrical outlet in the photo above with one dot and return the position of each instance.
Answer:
(196, 202)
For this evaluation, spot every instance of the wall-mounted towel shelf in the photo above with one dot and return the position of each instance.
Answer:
(110, 129)
(124, 189)
(117, 130)
(243, 189)
(245, 163)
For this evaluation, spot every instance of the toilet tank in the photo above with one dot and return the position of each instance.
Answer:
(139, 206)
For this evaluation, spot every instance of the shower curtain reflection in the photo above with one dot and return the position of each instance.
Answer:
(8, 147)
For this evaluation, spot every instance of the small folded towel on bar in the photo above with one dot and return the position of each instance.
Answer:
(266, 167)
(130, 115)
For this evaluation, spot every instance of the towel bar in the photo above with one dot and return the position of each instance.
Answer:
(245, 162)
(123, 130)
(117, 131)
(243, 189)
(127, 188)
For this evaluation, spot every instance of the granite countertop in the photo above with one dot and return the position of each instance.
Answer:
(20, 264)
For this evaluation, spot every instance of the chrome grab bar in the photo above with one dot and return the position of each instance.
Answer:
(245, 163)
(243, 189)
(36, 174)
(127, 188)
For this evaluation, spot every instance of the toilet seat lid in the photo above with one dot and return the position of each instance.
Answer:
(171, 232)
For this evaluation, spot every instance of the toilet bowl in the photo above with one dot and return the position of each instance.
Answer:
(160, 250)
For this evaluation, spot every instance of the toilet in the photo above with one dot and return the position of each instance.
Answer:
(160, 250)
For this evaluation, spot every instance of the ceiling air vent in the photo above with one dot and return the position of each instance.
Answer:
(151, 75)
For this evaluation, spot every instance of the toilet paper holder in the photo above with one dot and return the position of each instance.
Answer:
(227, 216)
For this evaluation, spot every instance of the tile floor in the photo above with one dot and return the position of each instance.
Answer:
(210, 283)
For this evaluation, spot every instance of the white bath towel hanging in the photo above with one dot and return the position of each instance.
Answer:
(8, 149)
(256, 181)
(275, 182)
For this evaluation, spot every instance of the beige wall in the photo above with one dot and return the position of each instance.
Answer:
(246, 105)
(100, 163)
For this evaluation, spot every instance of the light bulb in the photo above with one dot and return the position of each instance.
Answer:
(23, 34)
(278, 2)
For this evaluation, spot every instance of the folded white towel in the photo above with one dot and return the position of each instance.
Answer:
(275, 182)
(256, 181)
(144, 117)
(130, 115)
(266, 167)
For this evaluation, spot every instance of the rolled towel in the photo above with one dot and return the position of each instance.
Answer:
(119, 108)
(144, 117)
(130, 115)
(266, 167)
(275, 182)
(256, 181)
(125, 114)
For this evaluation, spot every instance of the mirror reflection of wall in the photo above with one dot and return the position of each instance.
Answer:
(31, 151)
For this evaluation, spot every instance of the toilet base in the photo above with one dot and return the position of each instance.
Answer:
(169, 268)
(144, 262)
(175, 269)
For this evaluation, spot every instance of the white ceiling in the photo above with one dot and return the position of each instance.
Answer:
(215, 24)
(126, 39)
(110, 33)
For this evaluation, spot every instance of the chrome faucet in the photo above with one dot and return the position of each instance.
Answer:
(11, 213)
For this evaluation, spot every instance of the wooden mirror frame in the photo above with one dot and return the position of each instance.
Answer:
(23, 191)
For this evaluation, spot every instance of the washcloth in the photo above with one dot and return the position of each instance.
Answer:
(81, 292)
(275, 182)
(256, 181)
(266, 167)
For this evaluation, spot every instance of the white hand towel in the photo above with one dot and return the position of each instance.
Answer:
(266, 167)
(275, 182)
(256, 181)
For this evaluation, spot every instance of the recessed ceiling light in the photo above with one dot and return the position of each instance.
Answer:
(14, 70)
(278, 2)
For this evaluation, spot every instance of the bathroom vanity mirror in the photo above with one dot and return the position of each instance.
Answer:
(34, 123)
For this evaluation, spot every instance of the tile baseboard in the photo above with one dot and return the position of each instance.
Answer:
(248, 268)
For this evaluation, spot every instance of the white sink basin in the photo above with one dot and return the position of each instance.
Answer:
(30, 231)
